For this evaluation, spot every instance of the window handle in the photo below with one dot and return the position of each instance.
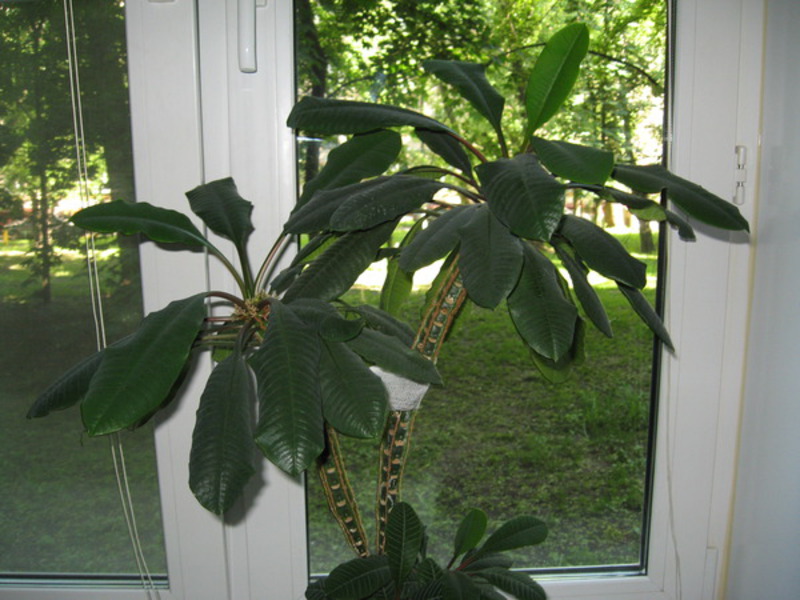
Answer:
(247, 34)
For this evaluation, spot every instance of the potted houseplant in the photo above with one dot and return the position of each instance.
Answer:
(318, 367)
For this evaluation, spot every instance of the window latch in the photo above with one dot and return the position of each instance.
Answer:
(247, 34)
(740, 175)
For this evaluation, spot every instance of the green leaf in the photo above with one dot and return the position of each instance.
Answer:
(223, 210)
(487, 561)
(586, 294)
(390, 353)
(446, 146)
(328, 117)
(554, 74)
(581, 164)
(470, 532)
(333, 273)
(315, 215)
(221, 461)
(518, 532)
(490, 259)
(135, 378)
(396, 287)
(523, 196)
(358, 578)
(385, 323)
(602, 252)
(543, 316)
(519, 585)
(632, 201)
(360, 157)
(646, 313)
(354, 400)
(159, 224)
(67, 390)
(685, 231)
(428, 570)
(437, 239)
(458, 586)
(694, 200)
(290, 429)
(470, 80)
(382, 199)
(559, 371)
(404, 533)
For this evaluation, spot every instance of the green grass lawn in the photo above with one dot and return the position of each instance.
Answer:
(496, 436)
(60, 510)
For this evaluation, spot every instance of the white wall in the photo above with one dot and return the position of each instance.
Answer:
(765, 551)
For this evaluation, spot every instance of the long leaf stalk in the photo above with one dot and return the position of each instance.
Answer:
(263, 271)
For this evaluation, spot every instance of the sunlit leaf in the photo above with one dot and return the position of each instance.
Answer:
(221, 461)
(554, 74)
(290, 429)
(523, 196)
(134, 379)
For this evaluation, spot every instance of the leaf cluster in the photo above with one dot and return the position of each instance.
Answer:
(475, 572)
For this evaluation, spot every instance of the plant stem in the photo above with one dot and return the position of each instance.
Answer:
(260, 282)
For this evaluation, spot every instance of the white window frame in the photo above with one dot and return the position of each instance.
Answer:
(238, 129)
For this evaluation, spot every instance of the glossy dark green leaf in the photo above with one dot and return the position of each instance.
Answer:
(290, 429)
(159, 224)
(223, 210)
(470, 532)
(523, 196)
(632, 201)
(446, 146)
(685, 231)
(404, 533)
(470, 81)
(315, 215)
(334, 272)
(323, 317)
(554, 74)
(518, 585)
(559, 371)
(458, 586)
(694, 200)
(518, 532)
(361, 157)
(390, 353)
(135, 378)
(328, 117)
(385, 323)
(602, 252)
(543, 316)
(490, 259)
(67, 390)
(428, 570)
(354, 400)
(384, 199)
(486, 561)
(646, 313)
(221, 461)
(437, 239)
(316, 591)
(586, 294)
(581, 164)
(358, 578)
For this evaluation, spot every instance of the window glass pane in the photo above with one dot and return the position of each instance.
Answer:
(61, 509)
(498, 436)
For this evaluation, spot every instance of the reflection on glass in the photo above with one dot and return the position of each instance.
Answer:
(61, 509)
(497, 436)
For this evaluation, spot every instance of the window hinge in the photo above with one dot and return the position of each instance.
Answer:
(740, 176)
